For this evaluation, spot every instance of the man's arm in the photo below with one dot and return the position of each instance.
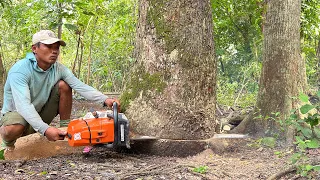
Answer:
(21, 97)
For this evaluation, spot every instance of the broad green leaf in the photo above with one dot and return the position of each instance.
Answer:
(303, 97)
(306, 108)
(71, 26)
(269, 142)
(304, 173)
(298, 139)
(292, 111)
(306, 132)
(298, 126)
(201, 169)
(313, 143)
(309, 167)
(2, 154)
(302, 146)
(43, 173)
(317, 132)
(312, 120)
(88, 13)
(80, 4)
(277, 152)
(318, 93)
(295, 157)
(316, 168)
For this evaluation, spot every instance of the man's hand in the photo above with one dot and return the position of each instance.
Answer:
(54, 134)
(109, 102)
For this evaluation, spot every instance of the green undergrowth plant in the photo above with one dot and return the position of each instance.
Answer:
(269, 142)
(2, 154)
(306, 122)
(200, 169)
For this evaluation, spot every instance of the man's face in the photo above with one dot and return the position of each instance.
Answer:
(46, 54)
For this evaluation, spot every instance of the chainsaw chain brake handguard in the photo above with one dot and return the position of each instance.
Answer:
(112, 128)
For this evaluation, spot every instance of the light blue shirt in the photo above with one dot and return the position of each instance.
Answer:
(28, 87)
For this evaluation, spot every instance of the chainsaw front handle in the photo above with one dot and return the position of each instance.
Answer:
(110, 102)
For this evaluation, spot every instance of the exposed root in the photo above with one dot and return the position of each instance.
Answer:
(151, 170)
(314, 161)
(17, 162)
(278, 175)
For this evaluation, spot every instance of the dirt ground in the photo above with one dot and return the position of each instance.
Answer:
(36, 158)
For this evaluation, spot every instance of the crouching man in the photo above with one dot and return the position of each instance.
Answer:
(38, 88)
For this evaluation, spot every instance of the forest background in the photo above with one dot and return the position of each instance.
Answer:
(100, 38)
(103, 40)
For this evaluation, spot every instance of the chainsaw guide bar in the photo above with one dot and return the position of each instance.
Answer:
(143, 138)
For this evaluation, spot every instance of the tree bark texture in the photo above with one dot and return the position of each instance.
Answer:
(318, 64)
(283, 72)
(2, 77)
(172, 86)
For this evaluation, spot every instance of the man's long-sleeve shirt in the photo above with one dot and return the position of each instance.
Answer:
(28, 88)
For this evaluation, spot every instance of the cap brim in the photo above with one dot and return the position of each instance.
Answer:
(53, 40)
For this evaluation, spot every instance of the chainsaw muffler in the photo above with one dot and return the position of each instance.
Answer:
(100, 127)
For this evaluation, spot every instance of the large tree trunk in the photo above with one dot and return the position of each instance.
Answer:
(2, 76)
(283, 73)
(318, 64)
(172, 87)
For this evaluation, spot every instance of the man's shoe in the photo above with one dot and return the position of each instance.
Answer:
(10, 148)
(7, 146)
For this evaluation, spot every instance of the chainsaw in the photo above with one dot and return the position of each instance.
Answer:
(100, 127)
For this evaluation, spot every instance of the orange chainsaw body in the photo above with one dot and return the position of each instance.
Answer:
(91, 131)
(100, 127)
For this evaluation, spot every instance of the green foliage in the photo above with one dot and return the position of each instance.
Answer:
(283, 153)
(255, 143)
(279, 154)
(263, 142)
(5, 2)
(269, 142)
(306, 108)
(2, 154)
(201, 169)
(238, 43)
(310, 11)
(238, 36)
(236, 94)
(308, 134)
(109, 25)
(43, 173)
